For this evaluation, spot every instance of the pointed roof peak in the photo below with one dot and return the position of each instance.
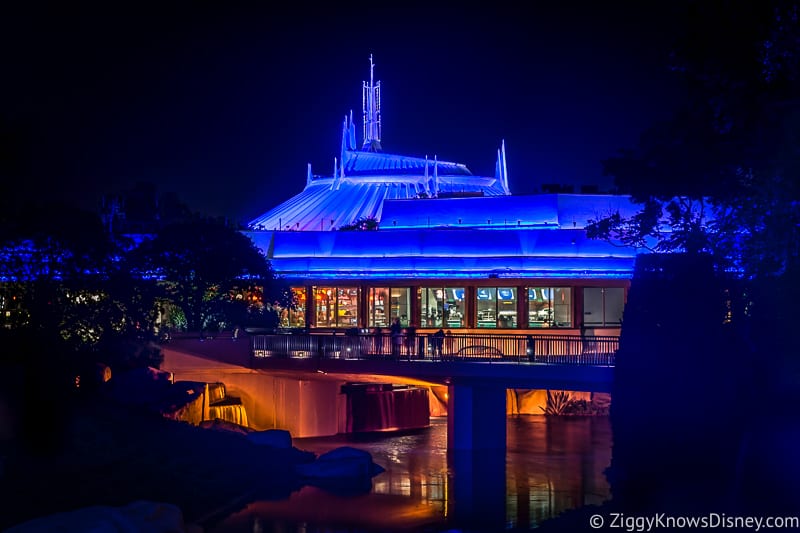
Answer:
(371, 108)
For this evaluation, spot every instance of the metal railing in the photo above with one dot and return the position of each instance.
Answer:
(549, 349)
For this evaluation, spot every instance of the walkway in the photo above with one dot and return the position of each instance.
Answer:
(516, 361)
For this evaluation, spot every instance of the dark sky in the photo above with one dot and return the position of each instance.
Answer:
(226, 104)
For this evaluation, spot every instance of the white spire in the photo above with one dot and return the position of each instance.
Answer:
(335, 181)
(501, 169)
(345, 138)
(428, 185)
(308, 175)
(352, 129)
(504, 166)
(371, 107)
(435, 175)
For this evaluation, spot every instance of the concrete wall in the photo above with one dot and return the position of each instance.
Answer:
(304, 407)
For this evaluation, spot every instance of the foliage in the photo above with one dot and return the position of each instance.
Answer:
(209, 270)
(362, 224)
(140, 209)
(65, 279)
(676, 364)
(172, 316)
(557, 402)
(585, 408)
(721, 176)
(129, 353)
(53, 242)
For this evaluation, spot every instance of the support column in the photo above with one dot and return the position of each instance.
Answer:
(476, 441)
(476, 417)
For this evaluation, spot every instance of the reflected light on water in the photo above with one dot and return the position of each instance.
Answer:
(551, 465)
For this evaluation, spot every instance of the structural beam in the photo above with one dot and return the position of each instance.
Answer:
(476, 417)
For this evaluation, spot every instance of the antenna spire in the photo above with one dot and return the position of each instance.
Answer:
(371, 107)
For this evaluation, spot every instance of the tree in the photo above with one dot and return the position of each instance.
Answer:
(720, 176)
(362, 224)
(211, 271)
(55, 258)
(719, 182)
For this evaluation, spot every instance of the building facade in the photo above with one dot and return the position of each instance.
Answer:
(449, 250)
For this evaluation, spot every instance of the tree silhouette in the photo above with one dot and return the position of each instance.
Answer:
(206, 267)
(706, 335)
(720, 176)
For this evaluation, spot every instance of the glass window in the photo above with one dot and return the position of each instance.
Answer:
(336, 306)
(562, 307)
(347, 306)
(603, 306)
(295, 318)
(496, 307)
(550, 307)
(613, 305)
(442, 307)
(387, 303)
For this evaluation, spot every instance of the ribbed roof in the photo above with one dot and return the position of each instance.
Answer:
(436, 220)
(370, 163)
(364, 178)
(330, 203)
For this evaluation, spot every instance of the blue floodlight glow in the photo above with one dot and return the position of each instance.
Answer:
(436, 220)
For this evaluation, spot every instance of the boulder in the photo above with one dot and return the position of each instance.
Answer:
(343, 462)
(153, 517)
(225, 426)
(276, 438)
(138, 386)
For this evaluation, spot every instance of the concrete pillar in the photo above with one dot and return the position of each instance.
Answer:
(476, 417)
(476, 442)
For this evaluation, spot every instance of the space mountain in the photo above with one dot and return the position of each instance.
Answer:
(365, 178)
(436, 219)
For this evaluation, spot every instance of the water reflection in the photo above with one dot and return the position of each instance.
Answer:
(551, 465)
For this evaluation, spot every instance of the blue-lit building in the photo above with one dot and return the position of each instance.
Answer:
(452, 249)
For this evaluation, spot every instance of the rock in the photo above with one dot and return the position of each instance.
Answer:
(277, 438)
(342, 462)
(223, 425)
(138, 386)
(153, 517)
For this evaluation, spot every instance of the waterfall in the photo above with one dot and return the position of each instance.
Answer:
(229, 411)
(224, 407)
(216, 392)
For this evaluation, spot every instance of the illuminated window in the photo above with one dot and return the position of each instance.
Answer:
(496, 307)
(602, 306)
(442, 307)
(387, 303)
(549, 307)
(336, 306)
(296, 318)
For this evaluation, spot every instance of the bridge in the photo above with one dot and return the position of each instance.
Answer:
(519, 361)
(305, 372)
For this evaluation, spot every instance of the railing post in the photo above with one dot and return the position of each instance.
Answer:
(544, 348)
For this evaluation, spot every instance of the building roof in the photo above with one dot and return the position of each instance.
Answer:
(436, 220)
(364, 177)
(329, 203)
(554, 211)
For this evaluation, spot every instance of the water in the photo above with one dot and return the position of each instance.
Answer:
(550, 465)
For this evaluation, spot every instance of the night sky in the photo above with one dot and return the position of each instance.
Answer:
(226, 104)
